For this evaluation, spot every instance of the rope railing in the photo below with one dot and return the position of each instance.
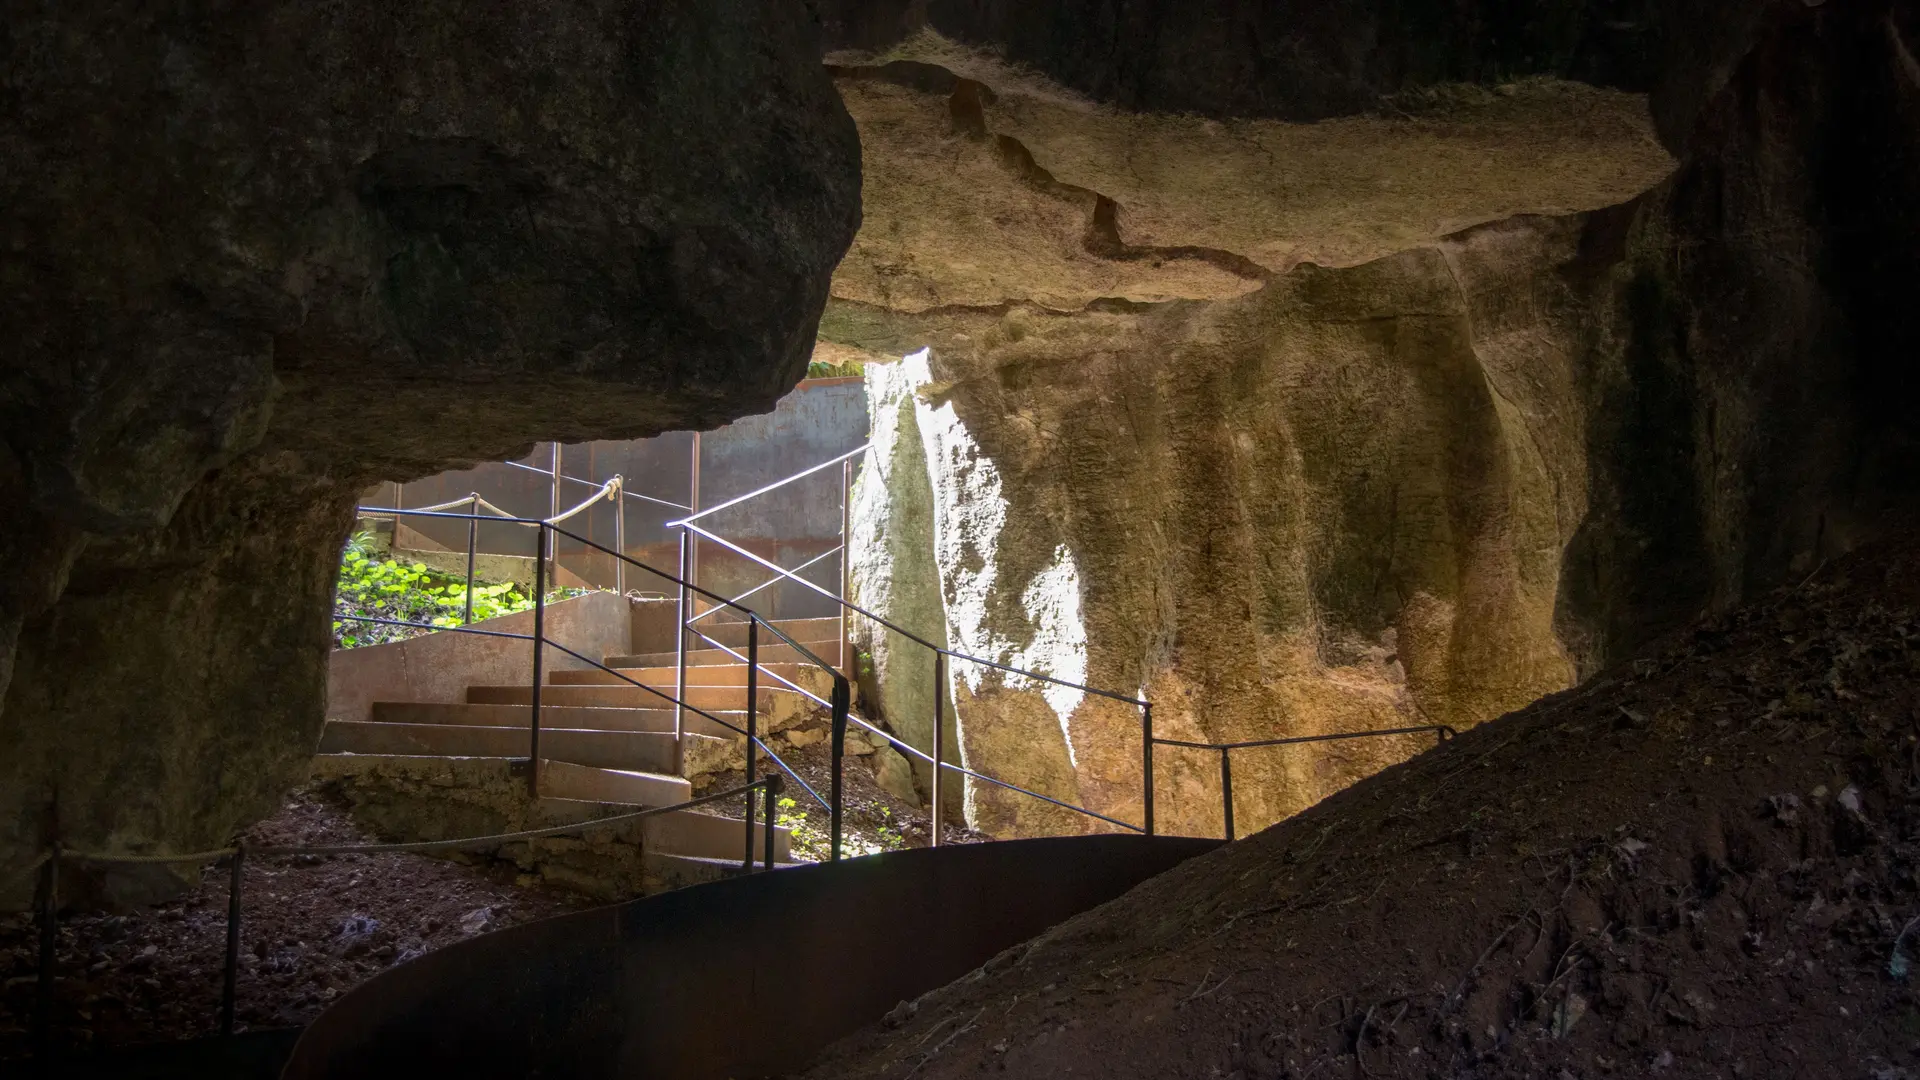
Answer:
(582, 480)
(606, 491)
(47, 863)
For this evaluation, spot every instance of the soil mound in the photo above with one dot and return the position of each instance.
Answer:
(1701, 863)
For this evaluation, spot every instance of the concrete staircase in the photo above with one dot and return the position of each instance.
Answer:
(604, 741)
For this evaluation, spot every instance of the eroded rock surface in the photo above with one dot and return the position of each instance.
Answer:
(257, 256)
(981, 195)
(1443, 473)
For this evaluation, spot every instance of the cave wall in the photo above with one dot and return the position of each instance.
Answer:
(259, 256)
(1436, 484)
(1755, 396)
(1335, 504)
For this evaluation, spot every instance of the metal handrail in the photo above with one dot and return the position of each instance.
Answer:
(908, 634)
(540, 640)
(911, 750)
(47, 906)
(802, 474)
(754, 617)
(834, 550)
(1446, 732)
(1226, 750)
(670, 699)
(942, 654)
(628, 559)
(811, 656)
(582, 480)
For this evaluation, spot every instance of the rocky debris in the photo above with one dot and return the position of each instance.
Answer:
(313, 927)
(258, 259)
(1701, 863)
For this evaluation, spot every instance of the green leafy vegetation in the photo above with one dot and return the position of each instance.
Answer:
(373, 585)
(811, 839)
(825, 369)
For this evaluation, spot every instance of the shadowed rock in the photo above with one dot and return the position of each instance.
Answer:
(255, 256)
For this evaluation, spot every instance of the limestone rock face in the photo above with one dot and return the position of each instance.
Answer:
(1423, 465)
(980, 195)
(1335, 504)
(256, 256)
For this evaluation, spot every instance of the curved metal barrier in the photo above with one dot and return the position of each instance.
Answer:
(741, 978)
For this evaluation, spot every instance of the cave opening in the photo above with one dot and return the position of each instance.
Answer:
(1455, 458)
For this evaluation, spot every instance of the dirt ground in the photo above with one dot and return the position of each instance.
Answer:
(1705, 863)
(313, 928)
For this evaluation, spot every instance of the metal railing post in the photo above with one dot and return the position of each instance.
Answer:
(846, 567)
(753, 669)
(691, 570)
(1226, 786)
(555, 501)
(775, 784)
(539, 646)
(842, 701)
(939, 741)
(230, 977)
(680, 663)
(1146, 763)
(620, 537)
(49, 936)
(473, 546)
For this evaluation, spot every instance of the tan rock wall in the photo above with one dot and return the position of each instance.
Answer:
(1335, 504)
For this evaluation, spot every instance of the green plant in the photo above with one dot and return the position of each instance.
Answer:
(891, 838)
(826, 369)
(372, 585)
(806, 839)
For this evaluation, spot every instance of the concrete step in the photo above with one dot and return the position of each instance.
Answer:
(663, 677)
(630, 787)
(769, 654)
(712, 836)
(647, 751)
(578, 717)
(563, 781)
(679, 871)
(805, 631)
(711, 698)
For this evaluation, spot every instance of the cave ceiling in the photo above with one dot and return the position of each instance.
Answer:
(989, 186)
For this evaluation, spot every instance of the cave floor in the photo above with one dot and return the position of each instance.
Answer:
(314, 927)
(1705, 862)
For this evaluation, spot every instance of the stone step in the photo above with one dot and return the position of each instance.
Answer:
(630, 787)
(647, 751)
(807, 632)
(712, 836)
(711, 698)
(769, 654)
(678, 871)
(578, 717)
(663, 677)
(569, 792)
